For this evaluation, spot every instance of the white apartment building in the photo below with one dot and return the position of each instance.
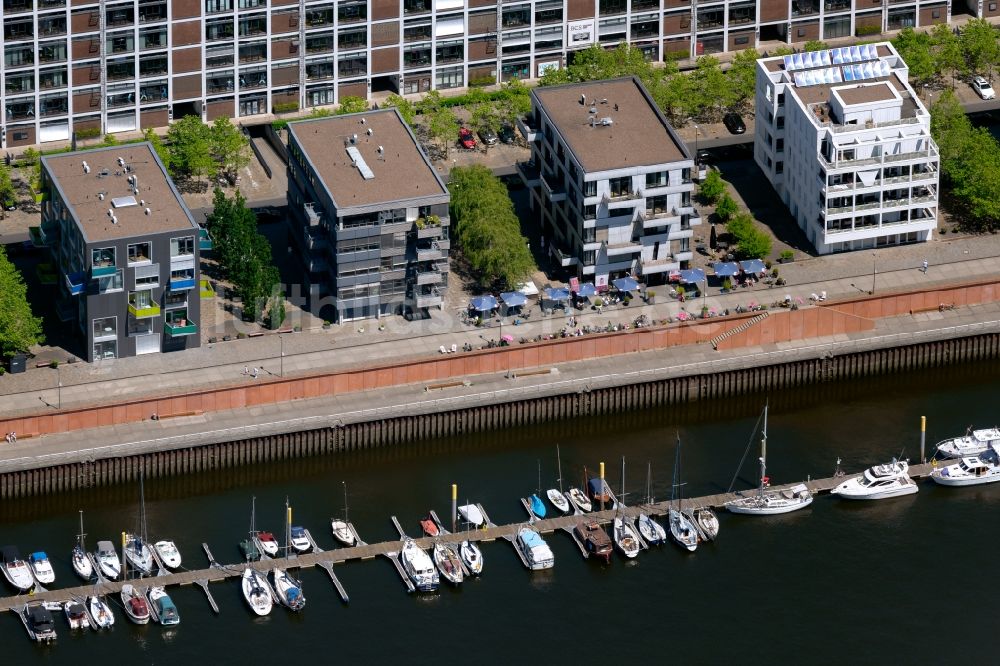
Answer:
(846, 143)
(610, 181)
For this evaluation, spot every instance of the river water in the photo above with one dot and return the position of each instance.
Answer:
(907, 580)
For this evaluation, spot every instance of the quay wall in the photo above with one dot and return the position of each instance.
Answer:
(783, 325)
(347, 435)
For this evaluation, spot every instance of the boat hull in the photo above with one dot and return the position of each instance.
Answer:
(283, 586)
(256, 592)
(127, 594)
(342, 533)
(771, 510)
(580, 500)
(19, 576)
(964, 480)
(101, 612)
(909, 489)
(558, 500)
(168, 554)
(472, 556)
(82, 566)
(626, 539)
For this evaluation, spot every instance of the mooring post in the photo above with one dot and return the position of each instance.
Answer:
(454, 506)
(923, 438)
(601, 489)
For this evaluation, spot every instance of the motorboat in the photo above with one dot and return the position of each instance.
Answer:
(971, 470)
(429, 527)
(107, 560)
(580, 500)
(166, 612)
(556, 496)
(256, 592)
(81, 563)
(651, 530)
(41, 568)
(625, 537)
(135, 604)
(300, 542)
(682, 530)
(38, 620)
(472, 556)
(76, 615)
(288, 589)
(879, 482)
(471, 514)
(15, 570)
(138, 554)
(707, 522)
(419, 566)
(972, 443)
(267, 544)
(342, 532)
(537, 506)
(533, 548)
(448, 562)
(169, 555)
(595, 540)
(101, 612)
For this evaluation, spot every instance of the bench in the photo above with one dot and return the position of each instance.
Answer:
(531, 373)
(933, 308)
(438, 387)
(194, 412)
(255, 335)
(26, 435)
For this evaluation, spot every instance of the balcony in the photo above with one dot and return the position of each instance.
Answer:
(563, 257)
(428, 277)
(144, 311)
(180, 327)
(556, 192)
(76, 283)
(530, 133)
(428, 300)
(182, 284)
(429, 253)
(102, 270)
(312, 216)
(623, 200)
(429, 231)
(204, 240)
(44, 236)
(529, 174)
(659, 265)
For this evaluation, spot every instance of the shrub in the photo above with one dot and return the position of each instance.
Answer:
(727, 284)
(774, 273)
(286, 107)
(787, 255)
(88, 133)
(598, 302)
(481, 81)
(53, 364)
(866, 30)
(240, 336)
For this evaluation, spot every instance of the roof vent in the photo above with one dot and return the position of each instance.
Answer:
(354, 139)
(86, 167)
(607, 122)
(593, 109)
(583, 99)
(114, 220)
(124, 202)
(358, 161)
(369, 132)
(111, 213)
(147, 211)
(604, 100)
(100, 196)
(121, 161)
(362, 121)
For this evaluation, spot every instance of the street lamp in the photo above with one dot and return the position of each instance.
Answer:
(58, 388)
(873, 273)
(281, 369)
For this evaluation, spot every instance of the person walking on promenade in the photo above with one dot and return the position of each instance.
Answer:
(254, 374)
(925, 267)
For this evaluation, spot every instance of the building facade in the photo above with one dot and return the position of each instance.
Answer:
(125, 251)
(114, 66)
(610, 181)
(846, 143)
(369, 216)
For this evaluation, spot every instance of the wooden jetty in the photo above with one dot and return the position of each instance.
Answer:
(390, 549)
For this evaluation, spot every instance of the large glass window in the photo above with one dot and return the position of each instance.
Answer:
(105, 327)
(658, 179)
(182, 246)
(108, 283)
(837, 27)
(105, 349)
(620, 187)
(141, 299)
(102, 257)
(450, 77)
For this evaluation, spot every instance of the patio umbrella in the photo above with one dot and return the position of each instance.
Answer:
(726, 268)
(507, 338)
(752, 265)
(513, 299)
(483, 303)
(586, 289)
(557, 294)
(625, 284)
(693, 275)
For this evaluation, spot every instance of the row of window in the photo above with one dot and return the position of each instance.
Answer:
(140, 253)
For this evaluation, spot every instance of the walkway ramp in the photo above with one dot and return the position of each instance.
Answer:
(753, 321)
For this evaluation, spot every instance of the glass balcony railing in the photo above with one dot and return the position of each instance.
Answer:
(143, 311)
(180, 284)
(180, 327)
(76, 283)
(97, 271)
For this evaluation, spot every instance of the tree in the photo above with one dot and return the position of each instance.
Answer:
(752, 243)
(978, 40)
(487, 229)
(742, 75)
(429, 104)
(7, 190)
(712, 187)
(948, 56)
(230, 147)
(19, 329)
(351, 104)
(161, 150)
(916, 51)
(710, 88)
(191, 148)
(513, 101)
(404, 106)
(726, 208)
(443, 126)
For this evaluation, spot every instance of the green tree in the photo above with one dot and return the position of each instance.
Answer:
(513, 101)
(429, 104)
(404, 106)
(726, 207)
(7, 191)
(443, 127)
(916, 51)
(752, 243)
(487, 229)
(979, 43)
(948, 56)
(742, 75)
(191, 148)
(712, 187)
(230, 147)
(19, 329)
(351, 104)
(710, 88)
(161, 150)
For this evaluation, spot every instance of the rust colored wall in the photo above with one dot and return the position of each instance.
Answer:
(786, 325)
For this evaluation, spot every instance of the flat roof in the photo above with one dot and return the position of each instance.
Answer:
(401, 171)
(865, 93)
(777, 63)
(638, 135)
(81, 191)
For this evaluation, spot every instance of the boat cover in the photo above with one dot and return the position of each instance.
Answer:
(39, 616)
(40, 555)
(471, 513)
(531, 538)
(10, 553)
(298, 532)
(595, 487)
(265, 536)
(105, 547)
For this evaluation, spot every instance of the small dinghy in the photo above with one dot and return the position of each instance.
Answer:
(429, 527)
(448, 563)
(472, 556)
(101, 613)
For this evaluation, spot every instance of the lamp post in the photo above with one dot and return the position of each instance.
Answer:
(697, 159)
(873, 273)
(281, 368)
(58, 388)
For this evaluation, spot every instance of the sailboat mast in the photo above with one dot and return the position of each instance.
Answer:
(559, 465)
(288, 527)
(649, 482)
(680, 484)
(539, 491)
(81, 538)
(345, 500)
(763, 453)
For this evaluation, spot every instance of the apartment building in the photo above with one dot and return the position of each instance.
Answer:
(368, 216)
(846, 143)
(119, 65)
(610, 181)
(125, 248)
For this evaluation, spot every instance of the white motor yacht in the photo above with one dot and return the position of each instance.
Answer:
(288, 589)
(471, 514)
(107, 560)
(169, 555)
(536, 552)
(472, 556)
(256, 592)
(972, 443)
(101, 613)
(81, 563)
(448, 562)
(136, 607)
(165, 610)
(625, 537)
(41, 568)
(879, 482)
(342, 532)
(418, 566)
(76, 615)
(266, 543)
(971, 470)
(138, 554)
(683, 530)
(300, 542)
(15, 570)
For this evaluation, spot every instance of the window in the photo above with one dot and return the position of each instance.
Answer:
(182, 246)
(620, 187)
(779, 167)
(106, 349)
(105, 327)
(148, 280)
(742, 40)
(658, 179)
(449, 77)
(590, 211)
(589, 258)
(936, 13)
(590, 188)
(102, 257)
(141, 299)
(109, 283)
(800, 32)
(139, 253)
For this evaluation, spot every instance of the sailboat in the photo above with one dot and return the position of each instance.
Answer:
(137, 552)
(579, 498)
(448, 562)
(81, 563)
(341, 528)
(707, 522)
(769, 502)
(254, 585)
(537, 505)
(289, 589)
(557, 497)
(101, 612)
(624, 533)
(651, 530)
(682, 530)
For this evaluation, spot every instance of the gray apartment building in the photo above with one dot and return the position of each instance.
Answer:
(610, 180)
(126, 251)
(121, 65)
(368, 215)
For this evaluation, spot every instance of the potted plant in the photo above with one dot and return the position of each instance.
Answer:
(326, 325)
(787, 256)
(651, 297)
(626, 300)
(680, 292)
(598, 303)
(704, 312)
(727, 284)
(774, 272)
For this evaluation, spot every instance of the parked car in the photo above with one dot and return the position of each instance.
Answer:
(703, 157)
(983, 87)
(508, 134)
(487, 136)
(734, 123)
(465, 139)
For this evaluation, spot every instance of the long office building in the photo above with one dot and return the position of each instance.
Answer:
(114, 66)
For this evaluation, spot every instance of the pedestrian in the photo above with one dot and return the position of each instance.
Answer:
(8, 438)
(255, 373)
(246, 370)
(13, 437)
(925, 267)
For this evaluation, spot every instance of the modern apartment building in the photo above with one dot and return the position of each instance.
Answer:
(846, 143)
(610, 181)
(368, 215)
(125, 248)
(120, 65)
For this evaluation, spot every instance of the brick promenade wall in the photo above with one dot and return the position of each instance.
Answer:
(845, 316)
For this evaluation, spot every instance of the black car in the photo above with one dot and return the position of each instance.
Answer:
(487, 136)
(507, 134)
(734, 123)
